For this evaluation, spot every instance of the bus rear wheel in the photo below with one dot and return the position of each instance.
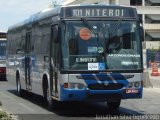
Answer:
(19, 90)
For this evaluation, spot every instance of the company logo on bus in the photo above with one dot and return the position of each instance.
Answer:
(85, 34)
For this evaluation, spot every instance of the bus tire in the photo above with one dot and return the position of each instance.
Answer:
(47, 96)
(18, 85)
(113, 105)
(50, 101)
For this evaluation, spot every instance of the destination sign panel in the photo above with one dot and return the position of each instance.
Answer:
(99, 11)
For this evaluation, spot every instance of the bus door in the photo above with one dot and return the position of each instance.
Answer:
(28, 61)
(54, 60)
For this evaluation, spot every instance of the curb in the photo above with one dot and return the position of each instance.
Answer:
(7, 116)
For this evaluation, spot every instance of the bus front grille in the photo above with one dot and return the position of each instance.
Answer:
(111, 86)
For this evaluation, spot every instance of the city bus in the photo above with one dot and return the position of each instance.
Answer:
(3, 56)
(78, 53)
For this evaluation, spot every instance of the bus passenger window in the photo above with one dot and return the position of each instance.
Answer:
(55, 33)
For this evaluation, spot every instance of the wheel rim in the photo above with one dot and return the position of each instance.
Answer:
(18, 85)
(47, 94)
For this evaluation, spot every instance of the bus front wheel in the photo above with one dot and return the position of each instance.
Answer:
(47, 96)
(113, 105)
(50, 102)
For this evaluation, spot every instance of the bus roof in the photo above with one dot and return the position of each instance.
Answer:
(70, 11)
(37, 16)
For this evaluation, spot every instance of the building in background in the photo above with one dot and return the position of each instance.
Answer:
(149, 12)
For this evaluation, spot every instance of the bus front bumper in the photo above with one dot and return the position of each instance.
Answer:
(98, 95)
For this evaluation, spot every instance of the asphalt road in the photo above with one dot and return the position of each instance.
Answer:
(32, 107)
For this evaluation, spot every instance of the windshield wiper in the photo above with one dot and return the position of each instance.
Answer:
(89, 26)
(116, 26)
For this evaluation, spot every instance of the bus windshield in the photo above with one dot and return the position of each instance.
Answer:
(108, 45)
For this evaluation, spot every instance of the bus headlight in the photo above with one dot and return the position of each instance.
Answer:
(76, 86)
(130, 85)
(134, 84)
(137, 84)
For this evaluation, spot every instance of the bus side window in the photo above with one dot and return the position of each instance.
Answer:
(54, 45)
(55, 33)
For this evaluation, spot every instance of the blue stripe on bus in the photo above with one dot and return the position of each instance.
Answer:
(104, 78)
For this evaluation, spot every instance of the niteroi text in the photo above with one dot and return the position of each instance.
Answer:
(98, 12)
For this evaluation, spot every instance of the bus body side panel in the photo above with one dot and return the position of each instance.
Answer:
(19, 63)
(10, 69)
(39, 69)
(40, 55)
(101, 87)
(11, 58)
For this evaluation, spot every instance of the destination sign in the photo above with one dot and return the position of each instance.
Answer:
(98, 12)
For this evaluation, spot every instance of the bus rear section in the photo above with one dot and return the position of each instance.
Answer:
(3, 56)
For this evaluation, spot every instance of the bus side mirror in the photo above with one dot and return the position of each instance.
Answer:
(54, 34)
(142, 33)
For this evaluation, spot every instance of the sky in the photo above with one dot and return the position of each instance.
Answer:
(14, 11)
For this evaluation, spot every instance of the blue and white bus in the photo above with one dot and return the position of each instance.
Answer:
(78, 53)
(3, 56)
